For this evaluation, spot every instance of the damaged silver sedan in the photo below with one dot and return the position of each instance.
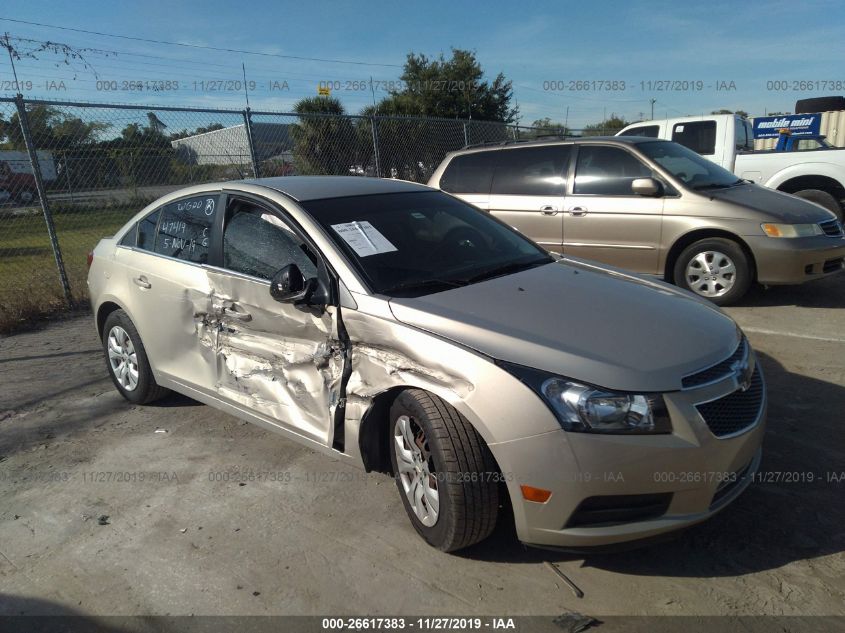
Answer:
(397, 327)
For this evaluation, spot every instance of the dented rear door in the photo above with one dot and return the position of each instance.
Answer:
(168, 293)
(274, 359)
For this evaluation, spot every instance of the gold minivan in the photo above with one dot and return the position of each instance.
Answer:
(650, 206)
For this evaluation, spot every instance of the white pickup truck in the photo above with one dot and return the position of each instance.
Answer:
(817, 175)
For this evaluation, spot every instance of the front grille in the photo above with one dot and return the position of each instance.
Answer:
(717, 371)
(736, 411)
(833, 228)
(616, 509)
(832, 265)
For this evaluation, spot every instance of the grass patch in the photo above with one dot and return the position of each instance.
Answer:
(29, 280)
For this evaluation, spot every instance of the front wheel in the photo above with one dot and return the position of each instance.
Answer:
(715, 268)
(821, 198)
(445, 473)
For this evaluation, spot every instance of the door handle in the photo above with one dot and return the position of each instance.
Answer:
(142, 281)
(548, 210)
(578, 212)
(237, 314)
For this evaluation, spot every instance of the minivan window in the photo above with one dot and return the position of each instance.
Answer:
(258, 243)
(468, 173)
(607, 171)
(413, 244)
(184, 228)
(687, 166)
(651, 131)
(531, 171)
(147, 231)
(699, 136)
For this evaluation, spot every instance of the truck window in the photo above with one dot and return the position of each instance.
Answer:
(469, 173)
(699, 136)
(651, 131)
(744, 136)
(532, 171)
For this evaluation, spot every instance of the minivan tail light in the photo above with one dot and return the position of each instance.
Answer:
(90, 259)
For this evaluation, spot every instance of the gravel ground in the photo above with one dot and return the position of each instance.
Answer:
(317, 537)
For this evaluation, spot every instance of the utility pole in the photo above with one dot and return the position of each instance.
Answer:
(652, 101)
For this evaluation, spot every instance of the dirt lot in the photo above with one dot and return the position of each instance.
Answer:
(327, 539)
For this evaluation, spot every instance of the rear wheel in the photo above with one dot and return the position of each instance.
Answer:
(714, 268)
(127, 361)
(445, 473)
(822, 198)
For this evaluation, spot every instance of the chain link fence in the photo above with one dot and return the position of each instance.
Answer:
(72, 173)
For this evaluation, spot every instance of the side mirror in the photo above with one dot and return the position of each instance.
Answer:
(290, 286)
(647, 187)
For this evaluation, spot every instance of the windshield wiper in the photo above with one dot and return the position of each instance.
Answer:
(425, 284)
(720, 185)
(505, 269)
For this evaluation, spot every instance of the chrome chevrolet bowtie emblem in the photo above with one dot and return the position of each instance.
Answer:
(742, 372)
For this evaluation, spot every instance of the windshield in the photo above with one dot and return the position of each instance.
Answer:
(687, 166)
(411, 244)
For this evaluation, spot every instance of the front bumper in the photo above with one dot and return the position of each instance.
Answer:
(694, 472)
(794, 261)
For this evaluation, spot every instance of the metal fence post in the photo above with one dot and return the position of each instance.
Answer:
(375, 145)
(251, 142)
(466, 135)
(42, 195)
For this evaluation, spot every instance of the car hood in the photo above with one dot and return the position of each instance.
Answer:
(772, 205)
(592, 324)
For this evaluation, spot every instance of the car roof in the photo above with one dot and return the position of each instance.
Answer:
(580, 140)
(304, 188)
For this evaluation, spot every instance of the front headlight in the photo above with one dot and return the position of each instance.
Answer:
(586, 409)
(791, 230)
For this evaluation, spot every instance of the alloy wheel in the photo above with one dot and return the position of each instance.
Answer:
(416, 472)
(122, 358)
(711, 274)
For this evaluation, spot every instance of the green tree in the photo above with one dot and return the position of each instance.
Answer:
(545, 127)
(52, 129)
(452, 88)
(741, 113)
(325, 141)
(608, 127)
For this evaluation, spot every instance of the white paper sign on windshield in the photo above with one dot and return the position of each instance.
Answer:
(364, 238)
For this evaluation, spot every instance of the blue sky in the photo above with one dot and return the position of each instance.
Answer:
(540, 46)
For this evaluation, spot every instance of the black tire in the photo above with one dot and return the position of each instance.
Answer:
(26, 196)
(462, 466)
(147, 390)
(821, 198)
(743, 275)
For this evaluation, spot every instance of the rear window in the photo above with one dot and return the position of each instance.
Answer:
(651, 131)
(532, 171)
(184, 228)
(699, 136)
(468, 173)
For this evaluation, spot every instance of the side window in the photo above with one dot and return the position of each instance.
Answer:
(469, 173)
(532, 171)
(147, 231)
(744, 135)
(185, 227)
(699, 136)
(651, 131)
(259, 243)
(607, 171)
(129, 238)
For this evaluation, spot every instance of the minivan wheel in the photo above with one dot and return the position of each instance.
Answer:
(714, 268)
(127, 361)
(821, 198)
(445, 473)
